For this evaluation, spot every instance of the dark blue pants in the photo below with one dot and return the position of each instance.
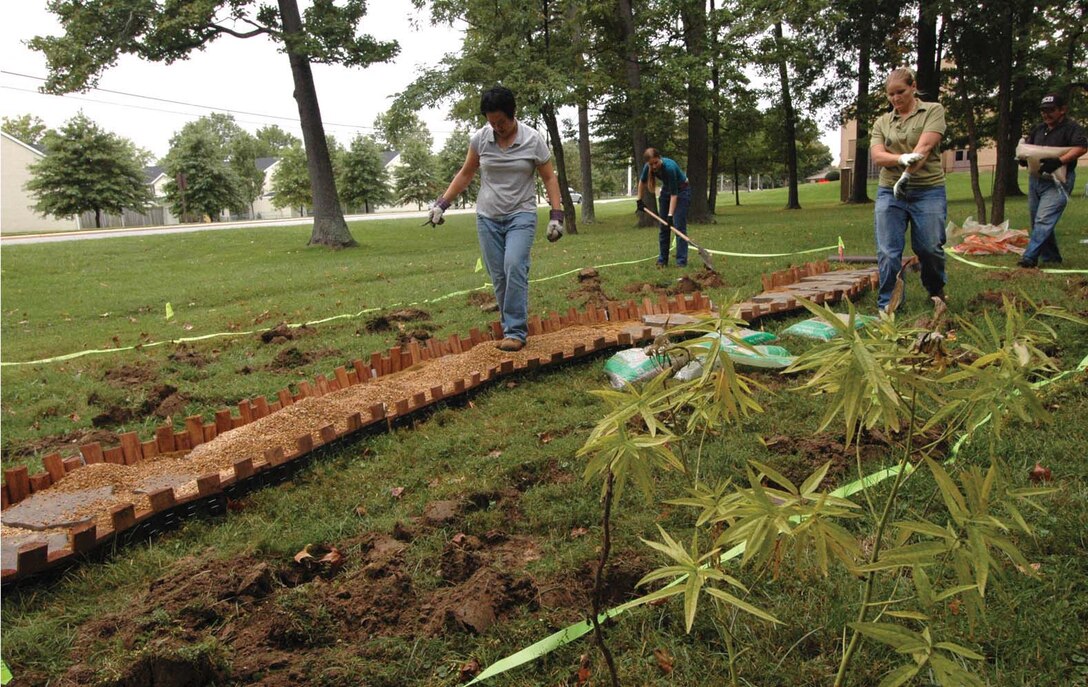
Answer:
(680, 221)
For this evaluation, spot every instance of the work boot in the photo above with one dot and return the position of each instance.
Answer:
(510, 345)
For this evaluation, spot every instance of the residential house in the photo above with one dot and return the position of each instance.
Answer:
(16, 204)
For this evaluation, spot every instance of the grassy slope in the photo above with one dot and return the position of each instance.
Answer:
(231, 278)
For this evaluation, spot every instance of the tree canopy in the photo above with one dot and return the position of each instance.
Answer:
(98, 32)
(88, 169)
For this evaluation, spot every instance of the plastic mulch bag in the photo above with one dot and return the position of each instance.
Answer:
(631, 366)
(986, 239)
(816, 328)
(762, 358)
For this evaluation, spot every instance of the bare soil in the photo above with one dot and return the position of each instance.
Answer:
(388, 321)
(68, 443)
(186, 355)
(270, 617)
(290, 358)
(131, 375)
(282, 333)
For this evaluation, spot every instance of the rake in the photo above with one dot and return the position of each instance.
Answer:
(704, 254)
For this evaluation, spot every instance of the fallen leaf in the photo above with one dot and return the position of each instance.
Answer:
(105, 314)
(133, 320)
(664, 661)
(954, 606)
(494, 454)
(396, 492)
(303, 554)
(584, 673)
(545, 437)
(458, 538)
(334, 559)
(578, 532)
(360, 510)
(470, 670)
(1034, 567)
(471, 404)
(74, 417)
(511, 385)
(187, 327)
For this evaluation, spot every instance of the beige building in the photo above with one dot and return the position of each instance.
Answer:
(16, 204)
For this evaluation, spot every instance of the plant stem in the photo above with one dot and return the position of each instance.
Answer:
(606, 544)
(870, 578)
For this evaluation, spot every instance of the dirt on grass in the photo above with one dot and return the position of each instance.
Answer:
(131, 375)
(268, 617)
(388, 321)
(800, 456)
(290, 358)
(68, 443)
(589, 289)
(484, 300)
(282, 333)
(189, 356)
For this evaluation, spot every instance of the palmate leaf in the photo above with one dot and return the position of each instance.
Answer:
(742, 605)
(900, 676)
(950, 674)
(901, 639)
(629, 456)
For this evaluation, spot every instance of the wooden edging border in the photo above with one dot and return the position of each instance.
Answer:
(167, 508)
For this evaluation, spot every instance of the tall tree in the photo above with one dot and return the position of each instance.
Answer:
(98, 32)
(693, 16)
(789, 119)
(88, 169)
(450, 159)
(415, 179)
(271, 139)
(629, 49)
(291, 180)
(242, 153)
(362, 179)
(582, 96)
(201, 178)
(928, 72)
(29, 129)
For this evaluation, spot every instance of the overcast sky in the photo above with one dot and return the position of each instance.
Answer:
(247, 75)
(232, 74)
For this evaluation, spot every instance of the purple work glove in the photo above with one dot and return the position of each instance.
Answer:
(438, 207)
(555, 226)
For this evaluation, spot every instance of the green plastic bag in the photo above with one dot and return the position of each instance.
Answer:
(632, 366)
(816, 328)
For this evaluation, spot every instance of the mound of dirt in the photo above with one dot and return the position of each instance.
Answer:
(113, 416)
(282, 333)
(291, 358)
(386, 322)
(589, 289)
(128, 376)
(164, 401)
(187, 355)
(646, 289)
(484, 300)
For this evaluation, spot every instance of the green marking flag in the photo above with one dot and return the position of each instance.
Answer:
(841, 249)
(479, 265)
(5, 674)
(169, 311)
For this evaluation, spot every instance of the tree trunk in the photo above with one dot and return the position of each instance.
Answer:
(859, 192)
(633, 72)
(98, 218)
(570, 222)
(1003, 46)
(1021, 41)
(972, 127)
(927, 77)
(694, 18)
(736, 181)
(792, 201)
(330, 229)
(586, 162)
(716, 127)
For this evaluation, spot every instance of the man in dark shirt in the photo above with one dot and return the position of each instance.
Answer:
(1046, 195)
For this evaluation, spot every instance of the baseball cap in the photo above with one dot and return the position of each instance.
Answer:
(1052, 100)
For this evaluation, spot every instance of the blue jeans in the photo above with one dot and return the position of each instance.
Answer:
(680, 221)
(927, 211)
(505, 243)
(1045, 206)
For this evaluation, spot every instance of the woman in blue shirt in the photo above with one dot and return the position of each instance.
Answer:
(674, 202)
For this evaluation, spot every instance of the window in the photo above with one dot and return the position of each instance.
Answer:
(961, 155)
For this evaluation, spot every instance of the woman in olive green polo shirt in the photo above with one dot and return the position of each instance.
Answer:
(905, 143)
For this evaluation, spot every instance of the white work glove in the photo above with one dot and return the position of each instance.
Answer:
(438, 208)
(900, 188)
(908, 159)
(555, 226)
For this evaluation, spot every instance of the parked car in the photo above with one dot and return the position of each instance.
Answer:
(575, 196)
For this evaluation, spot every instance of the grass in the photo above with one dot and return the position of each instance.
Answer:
(55, 296)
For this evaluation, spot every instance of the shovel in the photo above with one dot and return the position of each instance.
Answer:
(704, 254)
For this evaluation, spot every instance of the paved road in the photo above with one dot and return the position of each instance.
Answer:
(84, 235)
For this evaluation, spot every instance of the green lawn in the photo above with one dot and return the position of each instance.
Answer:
(512, 450)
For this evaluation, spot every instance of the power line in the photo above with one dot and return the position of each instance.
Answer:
(293, 120)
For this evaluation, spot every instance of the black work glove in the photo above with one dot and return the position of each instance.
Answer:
(1023, 162)
(639, 205)
(668, 220)
(1049, 165)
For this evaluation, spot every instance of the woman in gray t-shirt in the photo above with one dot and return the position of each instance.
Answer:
(507, 153)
